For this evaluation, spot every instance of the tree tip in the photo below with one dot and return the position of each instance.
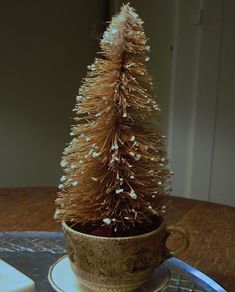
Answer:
(126, 7)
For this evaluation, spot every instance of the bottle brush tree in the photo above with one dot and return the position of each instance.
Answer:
(115, 166)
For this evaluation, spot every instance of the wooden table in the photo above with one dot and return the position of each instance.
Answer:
(211, 227)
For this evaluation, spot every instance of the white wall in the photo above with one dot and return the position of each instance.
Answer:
(183, 98)
(201, 121)
(223, 160)
(45, 48)
(194, 84)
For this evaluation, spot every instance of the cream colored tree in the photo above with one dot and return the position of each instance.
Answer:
(115, 165)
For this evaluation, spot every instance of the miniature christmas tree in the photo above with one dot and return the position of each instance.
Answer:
(115, 165)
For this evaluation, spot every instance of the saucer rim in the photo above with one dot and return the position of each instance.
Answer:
(58, 289)
(49, 276)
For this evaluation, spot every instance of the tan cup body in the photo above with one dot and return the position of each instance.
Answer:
(115, 263)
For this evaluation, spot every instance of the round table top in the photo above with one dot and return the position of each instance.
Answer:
(211, 227)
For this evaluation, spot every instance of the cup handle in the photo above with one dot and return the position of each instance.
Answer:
(170, 229)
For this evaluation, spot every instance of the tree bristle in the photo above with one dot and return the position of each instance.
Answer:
(115, 165)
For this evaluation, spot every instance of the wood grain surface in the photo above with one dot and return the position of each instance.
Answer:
(211, 227)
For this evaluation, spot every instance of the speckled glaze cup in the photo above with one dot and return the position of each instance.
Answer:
(119, 264)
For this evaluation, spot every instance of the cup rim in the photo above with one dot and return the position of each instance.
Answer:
(156, 230)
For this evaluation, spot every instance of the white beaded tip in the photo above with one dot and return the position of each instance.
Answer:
(118, 191)
(63, 163)
(107, 221)
(79, 98)
(63, 178)
(133, 195)
(132, 139)
(95, 154)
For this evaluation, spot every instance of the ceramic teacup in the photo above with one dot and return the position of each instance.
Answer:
(119, 264)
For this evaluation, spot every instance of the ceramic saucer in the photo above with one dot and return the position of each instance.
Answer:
(62, 278)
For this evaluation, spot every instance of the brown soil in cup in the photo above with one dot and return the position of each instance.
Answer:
(108, 231)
